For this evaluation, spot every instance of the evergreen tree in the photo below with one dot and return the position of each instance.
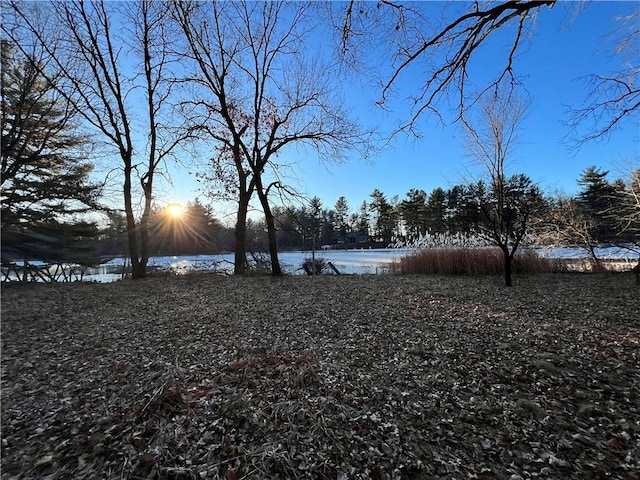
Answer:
(316, 220)
(288, 228)
(114, 236)
(602, 212)
(414, 213)
(195, 232)
(327, 230)
(305, 227)
(364, 219)
(600, 203)
(341, 215)
(462, 209)
(384, 222)
(436, 211)
(44, 184)
(200, 228)
(353, 225)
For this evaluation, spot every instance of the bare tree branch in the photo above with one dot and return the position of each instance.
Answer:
(444, 53)
(612, 98)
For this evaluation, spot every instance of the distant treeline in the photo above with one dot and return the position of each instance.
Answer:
(598, 214)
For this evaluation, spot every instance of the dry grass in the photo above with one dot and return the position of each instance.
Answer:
(474, 261)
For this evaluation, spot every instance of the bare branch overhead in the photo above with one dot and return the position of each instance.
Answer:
(613, 97)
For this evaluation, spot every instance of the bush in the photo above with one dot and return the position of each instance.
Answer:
(260, 264)
(473, 261)
(312, 268)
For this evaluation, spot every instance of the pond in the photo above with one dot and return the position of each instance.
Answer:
(356, 261)
(362, 261)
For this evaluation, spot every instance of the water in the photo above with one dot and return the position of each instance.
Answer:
(363, 261)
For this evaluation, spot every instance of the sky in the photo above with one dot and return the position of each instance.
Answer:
(568, 43)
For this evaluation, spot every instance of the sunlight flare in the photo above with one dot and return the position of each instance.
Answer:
(175, 210)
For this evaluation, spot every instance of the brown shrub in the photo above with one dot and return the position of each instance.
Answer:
(473, 261)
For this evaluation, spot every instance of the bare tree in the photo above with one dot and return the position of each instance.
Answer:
(604, 213)
(151, 40)
(507, 203)
(632, 193)
(566, 224)
(627, 215)
(98, 80)
(261, 94)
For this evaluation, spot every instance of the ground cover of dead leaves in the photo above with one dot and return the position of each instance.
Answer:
(349, 377)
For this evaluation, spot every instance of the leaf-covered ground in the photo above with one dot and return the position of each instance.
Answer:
(350, 377)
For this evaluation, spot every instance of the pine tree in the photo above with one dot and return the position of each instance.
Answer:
(462, 211)
(436, 211)
(364, 218)
(342, 218)
(599, 202)
(43, 183)
(414, 212)
(385, 216)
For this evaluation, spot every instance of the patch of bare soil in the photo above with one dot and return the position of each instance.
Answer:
(350, 377)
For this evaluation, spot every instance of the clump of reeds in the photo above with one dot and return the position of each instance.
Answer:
(474, 261)
(531, 262)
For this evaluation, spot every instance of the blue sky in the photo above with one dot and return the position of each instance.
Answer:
(566, 45)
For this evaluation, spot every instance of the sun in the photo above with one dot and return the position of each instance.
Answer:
(175, 210)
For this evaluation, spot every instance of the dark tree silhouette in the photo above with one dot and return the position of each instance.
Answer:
(43, 180)
(444, 52)
(95, 77)
(261, 94)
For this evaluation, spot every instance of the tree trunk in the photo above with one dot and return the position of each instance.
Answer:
(507, 267)
(273, 245)
(240, 252)
(138, 270)
(596, 262)
(271, 230)
(144, 230)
